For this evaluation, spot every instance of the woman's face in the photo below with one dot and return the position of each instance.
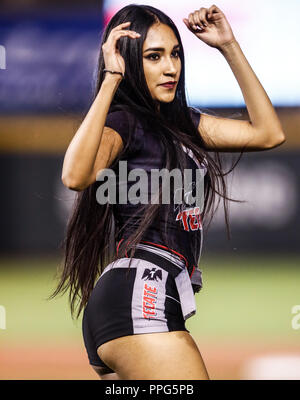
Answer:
(161, 62)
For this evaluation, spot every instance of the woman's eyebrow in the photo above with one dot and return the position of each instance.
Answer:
(160, 48)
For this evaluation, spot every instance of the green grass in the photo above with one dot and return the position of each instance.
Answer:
(248, 298)
(24, 288)
(242, 298)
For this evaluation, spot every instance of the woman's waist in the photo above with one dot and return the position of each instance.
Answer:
(177, 244)
(173, 261)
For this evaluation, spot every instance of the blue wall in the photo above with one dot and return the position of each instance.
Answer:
(50, 61)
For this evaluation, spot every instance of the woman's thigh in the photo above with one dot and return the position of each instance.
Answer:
(164, 355)
(104, 375)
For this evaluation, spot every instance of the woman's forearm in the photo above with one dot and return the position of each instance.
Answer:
(81, 153)
(261, 111)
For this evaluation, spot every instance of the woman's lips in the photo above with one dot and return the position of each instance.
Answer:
(169, 85)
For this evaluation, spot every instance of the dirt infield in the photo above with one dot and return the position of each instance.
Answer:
(224, 361)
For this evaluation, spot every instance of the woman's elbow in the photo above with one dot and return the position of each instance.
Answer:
(72, 184)
(276, 141)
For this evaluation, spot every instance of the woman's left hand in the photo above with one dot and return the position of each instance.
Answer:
(211, 26)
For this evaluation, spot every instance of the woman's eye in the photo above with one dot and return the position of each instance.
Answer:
(153, 56)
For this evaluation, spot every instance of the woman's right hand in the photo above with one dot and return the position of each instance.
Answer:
(112, 58)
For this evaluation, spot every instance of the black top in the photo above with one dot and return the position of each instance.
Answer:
(146, 152)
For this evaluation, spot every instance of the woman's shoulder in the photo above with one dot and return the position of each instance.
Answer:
(196, 115)
(121, 116)
(126, 124)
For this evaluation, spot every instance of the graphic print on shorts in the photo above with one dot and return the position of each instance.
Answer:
(148, 298)
(152, 274)
(150, 293)
(149, 301)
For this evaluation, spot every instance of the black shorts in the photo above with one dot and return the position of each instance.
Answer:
(128, 301)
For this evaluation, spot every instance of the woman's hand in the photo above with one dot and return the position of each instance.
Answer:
(112, 58)
(211, 26)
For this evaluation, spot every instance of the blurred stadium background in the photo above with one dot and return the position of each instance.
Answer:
(247, 324)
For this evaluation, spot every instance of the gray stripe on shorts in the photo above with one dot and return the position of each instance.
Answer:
(148, 299)
(186, 294)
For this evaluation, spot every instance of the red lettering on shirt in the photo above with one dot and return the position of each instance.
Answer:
(191, 219)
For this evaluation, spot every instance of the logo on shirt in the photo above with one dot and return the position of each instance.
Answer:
(191, 219)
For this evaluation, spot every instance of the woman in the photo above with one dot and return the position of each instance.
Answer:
(147, 255)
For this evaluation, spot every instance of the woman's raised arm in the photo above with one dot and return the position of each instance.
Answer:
(81, 154)
(87, 151)
(264, 130)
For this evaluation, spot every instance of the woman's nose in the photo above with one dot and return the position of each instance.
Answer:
(169, 67)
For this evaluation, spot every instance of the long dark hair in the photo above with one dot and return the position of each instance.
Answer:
(92, 233)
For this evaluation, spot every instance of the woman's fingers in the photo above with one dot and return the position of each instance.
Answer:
(121, 26)
(187, 24)
(192, 21)
(116, 35)
(112, 58)
(121, 29)
(200, 18)
(197, 19)
(213, 10)
(110, 47)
